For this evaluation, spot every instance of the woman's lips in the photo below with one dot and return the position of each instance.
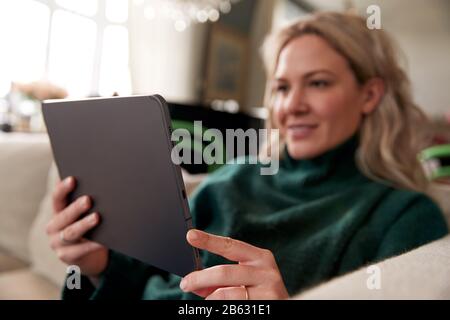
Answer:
(300, 131)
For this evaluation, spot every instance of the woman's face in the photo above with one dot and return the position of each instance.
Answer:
(318, 101)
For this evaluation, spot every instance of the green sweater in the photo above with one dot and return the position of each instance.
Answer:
(320, 218)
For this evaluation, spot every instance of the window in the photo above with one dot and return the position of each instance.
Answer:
(23, 35)
(72, 51)
(113, 77)
(84, 7)
(117, 10)
(80, 45)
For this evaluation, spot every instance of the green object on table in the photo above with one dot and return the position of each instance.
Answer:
(436, 162)
(196, 143)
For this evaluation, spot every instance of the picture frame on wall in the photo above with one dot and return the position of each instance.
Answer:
(227, 65)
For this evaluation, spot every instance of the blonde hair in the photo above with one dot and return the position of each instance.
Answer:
(388, 141)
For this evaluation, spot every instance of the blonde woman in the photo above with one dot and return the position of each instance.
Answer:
(348, 191)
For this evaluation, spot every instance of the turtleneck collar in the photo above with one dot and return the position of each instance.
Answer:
(337, 162)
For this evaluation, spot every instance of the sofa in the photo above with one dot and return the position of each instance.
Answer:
(30, 270)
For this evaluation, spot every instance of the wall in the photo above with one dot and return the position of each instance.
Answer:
(261, 26)
(165, 61)
(173, 63)
(422, 29)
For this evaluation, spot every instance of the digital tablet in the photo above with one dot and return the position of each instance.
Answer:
(119, 151)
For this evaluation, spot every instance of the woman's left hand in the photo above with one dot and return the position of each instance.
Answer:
(256, 276)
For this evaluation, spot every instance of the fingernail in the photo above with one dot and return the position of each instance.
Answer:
(68, 181)
(85, 201)
(193, 235)
(183, 285)
(93, 218)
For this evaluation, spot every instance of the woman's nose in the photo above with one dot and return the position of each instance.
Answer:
(296, 102)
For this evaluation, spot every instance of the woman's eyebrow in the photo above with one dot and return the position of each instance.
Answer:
(314, 72)
(307, 75)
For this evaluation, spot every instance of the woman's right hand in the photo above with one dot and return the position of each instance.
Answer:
(66, 231)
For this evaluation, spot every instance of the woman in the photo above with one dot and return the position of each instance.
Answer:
(348, 191)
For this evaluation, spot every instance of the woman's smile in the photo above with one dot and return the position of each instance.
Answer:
(300, 131)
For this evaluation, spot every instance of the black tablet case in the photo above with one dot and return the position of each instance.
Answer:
(119, 150)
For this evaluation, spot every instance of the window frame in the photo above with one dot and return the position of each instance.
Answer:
(101, 21)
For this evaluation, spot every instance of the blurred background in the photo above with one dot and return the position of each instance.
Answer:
(199, 53)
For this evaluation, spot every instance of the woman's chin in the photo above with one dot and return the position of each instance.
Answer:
(303, 150)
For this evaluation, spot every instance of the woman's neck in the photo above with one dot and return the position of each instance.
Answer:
(338, 161)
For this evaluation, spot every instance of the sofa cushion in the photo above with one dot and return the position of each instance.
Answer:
(419, 274)
(25, 160)
(8, 262)
(24, 284)
(44, 260)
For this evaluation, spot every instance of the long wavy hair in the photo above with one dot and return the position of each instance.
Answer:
(389, 139)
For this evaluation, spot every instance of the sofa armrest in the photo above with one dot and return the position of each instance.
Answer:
(419, 274)
(24, 163)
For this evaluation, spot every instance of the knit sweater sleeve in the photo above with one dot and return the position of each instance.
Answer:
(421, 222)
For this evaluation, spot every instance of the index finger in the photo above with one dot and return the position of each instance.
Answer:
(63, 188)
(228, 248)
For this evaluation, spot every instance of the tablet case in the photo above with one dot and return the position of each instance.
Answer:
(119, 150)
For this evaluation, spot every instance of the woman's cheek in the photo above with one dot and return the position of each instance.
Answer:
(279, 117)
(330, 105)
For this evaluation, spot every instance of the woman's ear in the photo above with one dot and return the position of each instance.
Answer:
(373, 92)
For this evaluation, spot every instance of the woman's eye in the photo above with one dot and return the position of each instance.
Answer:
(281, 88)
(319, 83)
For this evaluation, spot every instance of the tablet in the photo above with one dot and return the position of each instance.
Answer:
(119, 150)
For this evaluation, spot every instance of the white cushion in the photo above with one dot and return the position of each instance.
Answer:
(8, 262)
(24, 163)
(26, 285)
(44, 260)
(423, 273)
